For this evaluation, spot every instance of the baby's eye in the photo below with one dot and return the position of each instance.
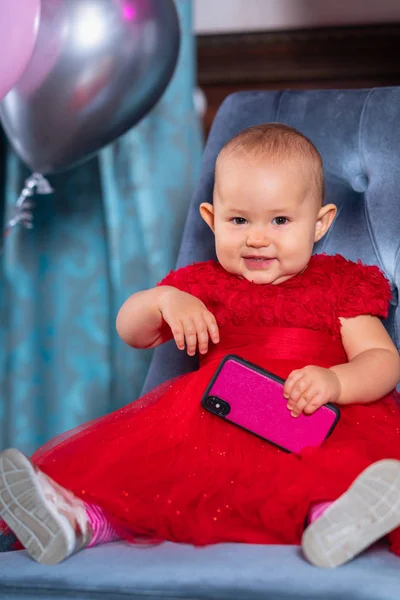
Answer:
(239, 221)
(280, 220)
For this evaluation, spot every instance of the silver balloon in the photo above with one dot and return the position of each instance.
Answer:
(98, 67)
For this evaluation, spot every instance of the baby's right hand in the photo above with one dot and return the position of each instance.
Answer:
(189, 319)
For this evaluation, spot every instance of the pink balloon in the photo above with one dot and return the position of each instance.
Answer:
(19, 24)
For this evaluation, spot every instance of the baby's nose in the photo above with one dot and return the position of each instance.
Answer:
(258, 239)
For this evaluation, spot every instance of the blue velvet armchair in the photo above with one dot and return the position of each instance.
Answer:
(358, 135)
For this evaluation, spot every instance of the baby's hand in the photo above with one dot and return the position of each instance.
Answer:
(190, 321)
(309, 388)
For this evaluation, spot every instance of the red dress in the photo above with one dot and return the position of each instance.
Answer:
(165, 469)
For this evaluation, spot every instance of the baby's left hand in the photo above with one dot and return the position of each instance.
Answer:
(309, 388)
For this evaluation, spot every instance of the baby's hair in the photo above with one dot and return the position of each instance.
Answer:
(277, 141)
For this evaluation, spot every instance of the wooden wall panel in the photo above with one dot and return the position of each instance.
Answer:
(340, 57)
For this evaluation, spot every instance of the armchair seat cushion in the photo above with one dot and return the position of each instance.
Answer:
(225, 572)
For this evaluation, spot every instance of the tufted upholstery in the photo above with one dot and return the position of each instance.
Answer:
(357, 133)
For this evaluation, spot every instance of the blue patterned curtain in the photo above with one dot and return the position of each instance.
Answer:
(112, 227)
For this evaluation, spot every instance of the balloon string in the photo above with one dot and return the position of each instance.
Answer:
(22, 214)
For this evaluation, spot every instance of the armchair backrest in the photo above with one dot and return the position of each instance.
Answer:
(358, 135)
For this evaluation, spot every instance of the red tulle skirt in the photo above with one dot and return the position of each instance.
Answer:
(165, 469)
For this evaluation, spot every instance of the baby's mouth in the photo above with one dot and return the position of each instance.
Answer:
(255, 263)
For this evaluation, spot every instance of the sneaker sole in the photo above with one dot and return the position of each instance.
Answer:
(368, 511)
(24, 508)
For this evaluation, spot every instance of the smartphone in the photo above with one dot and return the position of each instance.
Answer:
(252, 398)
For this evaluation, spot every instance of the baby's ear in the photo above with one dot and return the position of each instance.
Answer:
(207, 213)
(324, 220)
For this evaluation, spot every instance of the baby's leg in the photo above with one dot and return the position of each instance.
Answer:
(317, 510)
(368, 511)
(50, 521)
(102, 530)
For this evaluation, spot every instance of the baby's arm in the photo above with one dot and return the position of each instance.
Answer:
(373, 369)
(152, 317)
(140, 322)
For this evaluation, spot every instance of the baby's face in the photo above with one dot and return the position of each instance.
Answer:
(265, 218)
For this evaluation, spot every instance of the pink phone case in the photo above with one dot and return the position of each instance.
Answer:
(252, 399)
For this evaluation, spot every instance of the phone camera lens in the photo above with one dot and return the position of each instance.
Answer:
(217, 406)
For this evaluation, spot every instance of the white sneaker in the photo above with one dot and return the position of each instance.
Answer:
(49, 521)
(368, 511)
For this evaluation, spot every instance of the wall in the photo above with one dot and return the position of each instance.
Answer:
(225, 16)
